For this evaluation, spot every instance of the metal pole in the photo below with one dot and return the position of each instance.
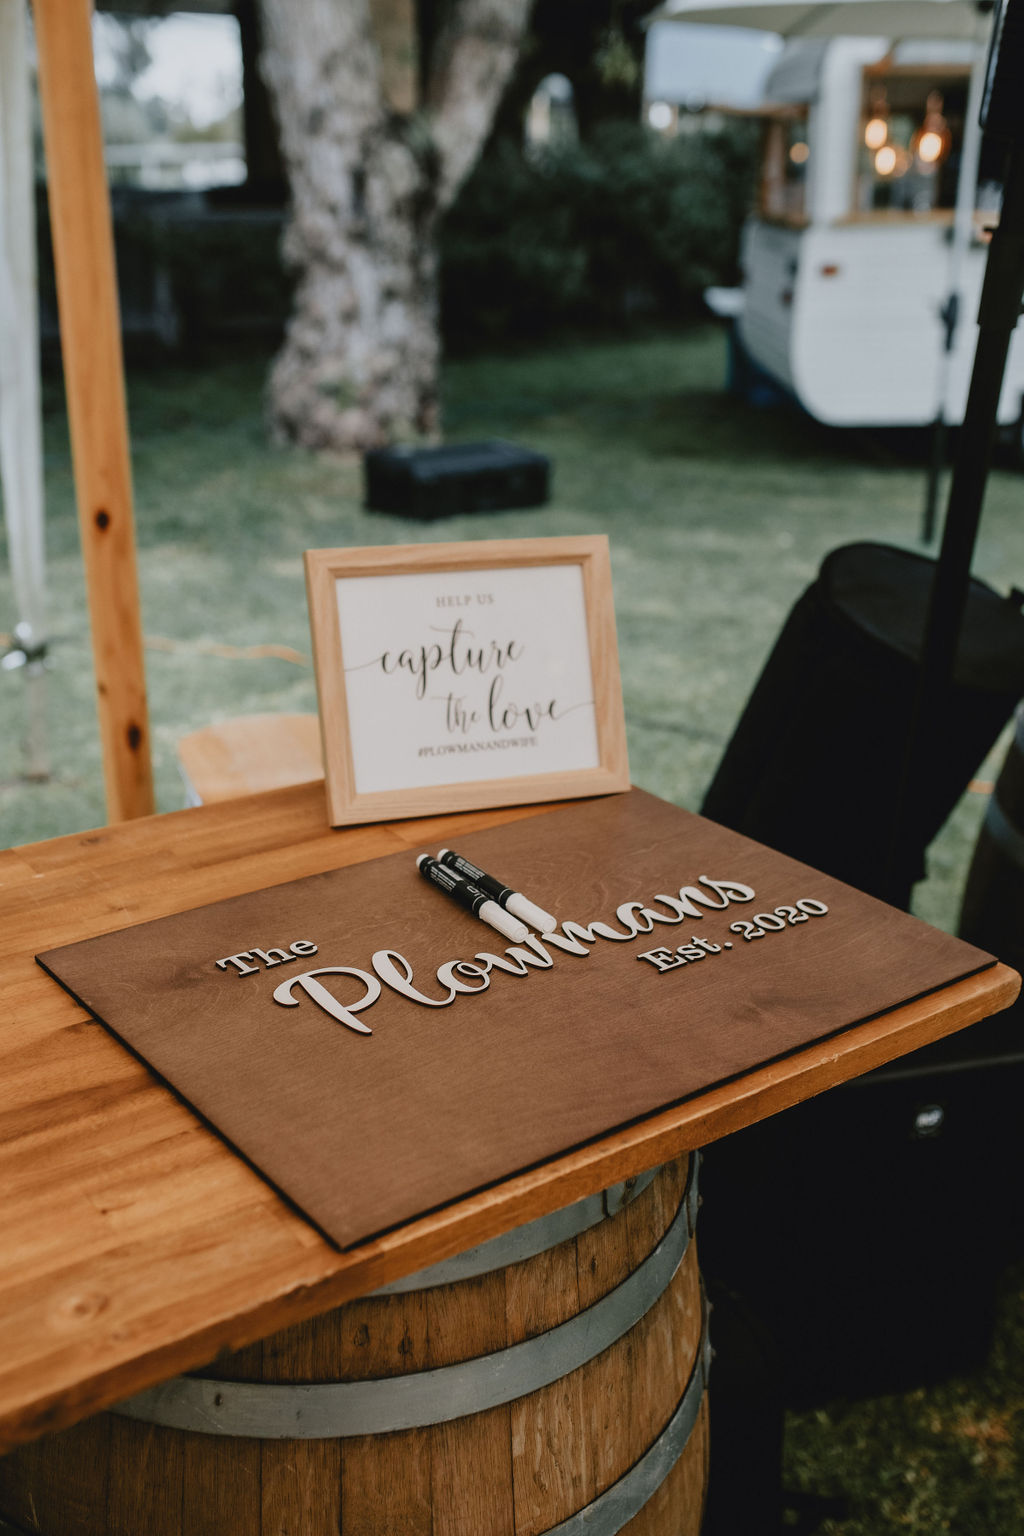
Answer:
(998, 314)
(999, 311)
(963, 230)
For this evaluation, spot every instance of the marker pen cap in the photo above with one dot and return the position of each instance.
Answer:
(534, 917)
(453, 885)
(452, 860)
(470, 896)
(504, 922)
(513, 901)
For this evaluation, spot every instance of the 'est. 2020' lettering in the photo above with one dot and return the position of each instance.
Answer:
(665, 959)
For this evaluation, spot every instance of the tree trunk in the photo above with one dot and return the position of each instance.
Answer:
(359, 366)
(359, 363)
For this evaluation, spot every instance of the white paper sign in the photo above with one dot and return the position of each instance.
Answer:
(458, 676)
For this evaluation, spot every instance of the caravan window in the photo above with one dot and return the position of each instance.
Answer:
(911, 130)
(784, 157)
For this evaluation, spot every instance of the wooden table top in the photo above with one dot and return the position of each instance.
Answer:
(134, 1243)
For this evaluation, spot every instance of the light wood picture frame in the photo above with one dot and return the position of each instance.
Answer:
(456, 677)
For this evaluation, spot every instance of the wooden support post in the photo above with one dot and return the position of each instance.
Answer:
(91, 343)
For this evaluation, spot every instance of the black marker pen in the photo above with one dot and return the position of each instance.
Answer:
(512, 901)
(470, 896)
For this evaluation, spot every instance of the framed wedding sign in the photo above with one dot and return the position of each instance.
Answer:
(458, 676)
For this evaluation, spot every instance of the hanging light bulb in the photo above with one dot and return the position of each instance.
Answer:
(876, 129)
(885, 160)
(929, 147)
(931, 142)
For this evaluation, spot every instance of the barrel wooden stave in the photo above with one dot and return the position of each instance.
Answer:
(515, 1470)
(678, 1505)
(60, 1483)
(299, 1474)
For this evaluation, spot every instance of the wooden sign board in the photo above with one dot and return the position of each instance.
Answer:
(377, 1052)
(458, 676)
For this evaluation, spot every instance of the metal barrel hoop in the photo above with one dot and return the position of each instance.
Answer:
(527, 1241)
(330, 1410)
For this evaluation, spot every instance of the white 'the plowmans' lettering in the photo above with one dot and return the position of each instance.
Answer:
(326, 1000)
(266, 957)
(462, 977)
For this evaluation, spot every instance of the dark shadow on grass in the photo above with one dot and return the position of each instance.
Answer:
(713, 424)
(805, 1513)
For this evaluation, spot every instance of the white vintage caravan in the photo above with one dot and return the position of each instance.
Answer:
(851, 255)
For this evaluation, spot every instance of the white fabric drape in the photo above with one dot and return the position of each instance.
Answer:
(21, 459)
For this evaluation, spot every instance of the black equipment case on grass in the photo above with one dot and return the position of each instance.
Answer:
(491, 476)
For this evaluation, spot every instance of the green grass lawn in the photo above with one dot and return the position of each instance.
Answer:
(718, 517)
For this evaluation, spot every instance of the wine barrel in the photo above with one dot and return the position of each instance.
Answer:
(548, 1383)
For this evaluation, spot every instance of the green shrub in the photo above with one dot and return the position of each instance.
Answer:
(625, 224)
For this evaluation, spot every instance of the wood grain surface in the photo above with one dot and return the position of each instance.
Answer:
(135, 1245)
(251, 754)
